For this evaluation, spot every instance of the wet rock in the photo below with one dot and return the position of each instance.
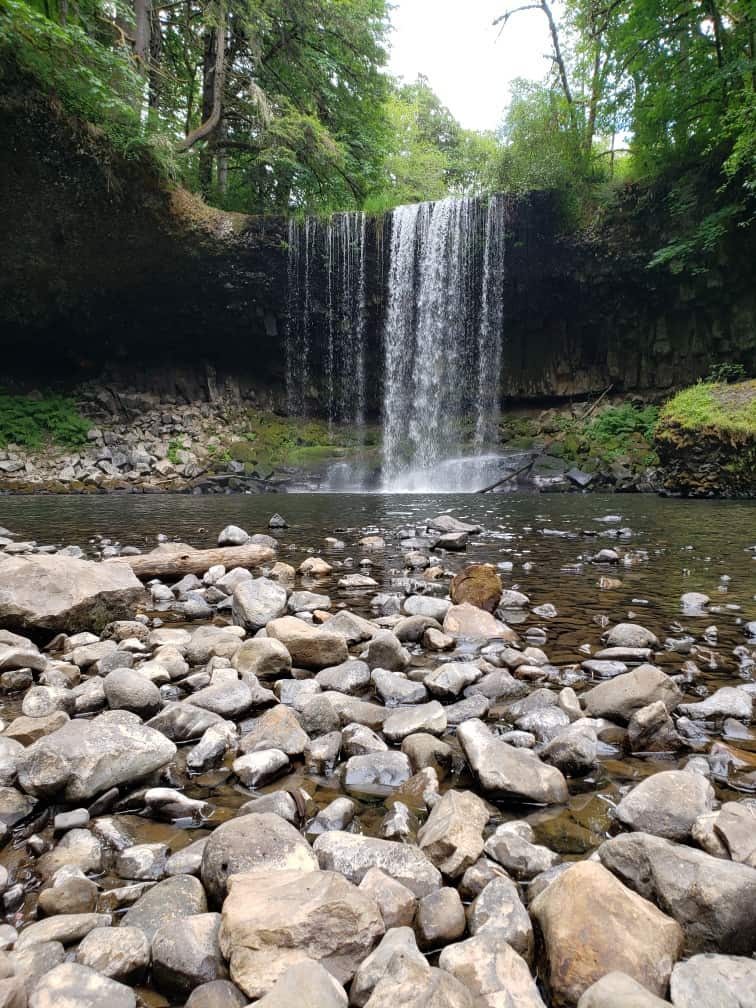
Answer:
(322, 753)
(450, 679)
(477, 877)
(478, 584)
(466, 620)
(430, 718)
(263, 657)
(351, 677)
(573, 751)
(427, 751)
(216, 741)
(521, 858)
(353, 855)
(498, 685)
(398, 942)
(593, 925)
(375, 773)
(411, 629)
(492, 971)
(618, 990)
(452, 837)
(621, 697)
(729, 701)
(260, 767)
(309, 647)
(69, 896)
(308, 985)
(630, 635)
(504, 770)
(187, 953)
(128, 690)
(259, 842)
(694, 603)
(64, 928)
(228, 698)
(436, 640)
(385, 651)
(710, 898)
(84, 758)
(399, 823)
(426, 605)
(143, 862)
(666, 804)
(80, 987)
(315, 567)
(121, 953)
(170, 900)
(337, 815)
(717, 981)
(232, 535)
(499, 908)
(358, 740)
(546, 723)
(440, 918)
(57, 593)
(604, 669)
(651, 729)
(278, 728)
(274, 920)
(352, 627)
(395, 901)
(14, 806)
(256, 602)
(511, 599)
(183, 722)
(394, 688)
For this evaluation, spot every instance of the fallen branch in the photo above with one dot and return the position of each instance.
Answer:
(178, 559)
(509, 476)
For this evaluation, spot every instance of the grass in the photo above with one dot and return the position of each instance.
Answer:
(34, 422)
(714, 405)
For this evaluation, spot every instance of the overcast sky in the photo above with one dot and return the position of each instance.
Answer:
(453, 43)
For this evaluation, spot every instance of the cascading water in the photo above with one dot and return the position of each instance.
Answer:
(442, 342)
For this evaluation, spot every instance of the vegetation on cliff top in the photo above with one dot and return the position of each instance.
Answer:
(711, 406)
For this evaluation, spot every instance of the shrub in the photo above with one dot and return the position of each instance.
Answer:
(31, 423)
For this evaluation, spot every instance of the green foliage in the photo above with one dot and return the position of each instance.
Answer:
(31, 423)
(710, 405)
(726, 373)
(620, 421)
(174, 447)
(625, 431)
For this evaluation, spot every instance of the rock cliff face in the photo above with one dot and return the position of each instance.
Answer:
(107, 274)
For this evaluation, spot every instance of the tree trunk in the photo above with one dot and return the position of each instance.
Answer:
(142, 35)
(178, 559)
(156, 55)
(213, 83)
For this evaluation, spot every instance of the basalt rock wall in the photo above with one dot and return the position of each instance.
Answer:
(108, 275)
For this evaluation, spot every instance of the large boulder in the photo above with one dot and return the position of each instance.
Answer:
(507, 771)
(666, 804)
(452, 836)
(618, 990)
(274, 920)
(716, 981)
(306, 985)
(168, 902)
(257, 601)
(84, 758)
(186, 953)
(592, 924)
(467, 620)
(258, 841)
(491, 969)
(478, 584)
(622, 696)
(309, 647)
(73, 986)
(353, 855)
(712, 899)
(57, 593)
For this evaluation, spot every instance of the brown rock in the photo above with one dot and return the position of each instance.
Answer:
(478, 584)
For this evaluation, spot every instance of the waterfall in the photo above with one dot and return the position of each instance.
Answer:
(327, 262)
(441, 336)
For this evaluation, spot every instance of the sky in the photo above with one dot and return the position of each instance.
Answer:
(453, 43)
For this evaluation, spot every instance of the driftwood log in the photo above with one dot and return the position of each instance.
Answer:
(178, 559)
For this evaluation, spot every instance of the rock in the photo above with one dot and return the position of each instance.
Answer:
(315, 567)
(521, 858)
(143, 862)
(351, 677)
(187, 953)
(735, 825)
(411, 629)
(213, 642)
(621, 697)
(385, 651)
(429, 717)
(504, 770)
(262, 842)
(729, 701)
(651, 729)
(232, 535)
(466, 620)
(121, 953)
(427, 751)
(710, 898)
(426, 605)
(447, 523)
(352, 627)
(261, 767)
(436, 640)
(230, 699)
(188, 860)
(128, 690)
(64, 928)
(398, 942)
(478, 584)
(630, 635)
(394, 688)
(452, 837)
(274, 920)
(395, 901)
(358, 740)
(353, 855)
(170, 900)
(216, 741)
(84, 758)
(337, 815)
(477, 877)
(306, 984)
(499, 907)
(13, 992)
(574, 751)
(450, 679)
(694, 603)
(593, 925)
(491, 970)
(666, 804)
(55, 593)
(278, 728)
(257, 601)
(263, 657)
(413, 985)
(618, 990)
(322, 753)
(78, 848)
(717, 981)
(309, 647)
(375, 774)
(216, 994)
(183, 722)
(69, 896)
(440, 918)
(71, 985)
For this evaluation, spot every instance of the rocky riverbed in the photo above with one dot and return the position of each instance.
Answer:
(371, 768)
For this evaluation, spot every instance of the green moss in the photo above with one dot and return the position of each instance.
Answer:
(32, 422)
(709, 405)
